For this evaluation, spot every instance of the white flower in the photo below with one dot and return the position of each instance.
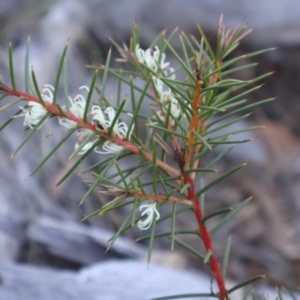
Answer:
(166, 99)
(99, 118)
(148, 57)
(77, 108)
(33, 114)
(151, 212)
(35, 111)
(83, 134)
(153, 58)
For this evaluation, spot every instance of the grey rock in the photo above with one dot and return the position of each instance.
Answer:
(80, 243)
(112, 280)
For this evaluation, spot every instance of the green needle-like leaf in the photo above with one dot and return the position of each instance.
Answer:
(151, 241)
(230, 215)
(213, 161)
(115, 120)
(214, 182)
(31, 132)
(119, 232)
(206, 42)
(10, 119)
(169, 215)
(51, 153)
(91, 189)
(121, 174)
(37, 90)
(182, 296)
(66, 86)
(58, 74)
(247, 293)
(190, 249)
(168, 234)
(207, 257)
(89, 96)
(134, 209)
(233, 70)
(221, 127)
(247, 282)
(154, 166)
(111, 205)
(219, 212)
(11, 66)
(182, 63)
(72, 169)
(137, 108)
(226, 257)
(104, 78)
(202, 140)
(26, 71)
(237, 111)
(185, 54)
(173, 226)
(10, 104)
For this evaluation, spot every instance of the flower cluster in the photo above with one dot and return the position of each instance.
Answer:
(102, 119)
(155, 60)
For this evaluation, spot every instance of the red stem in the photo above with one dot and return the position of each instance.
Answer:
(206, 238)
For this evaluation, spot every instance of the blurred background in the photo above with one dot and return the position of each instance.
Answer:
(41, 224)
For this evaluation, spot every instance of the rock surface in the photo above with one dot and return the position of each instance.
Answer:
(111, 280)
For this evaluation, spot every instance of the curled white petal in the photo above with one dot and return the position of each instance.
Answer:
(83, 134)
(86, 147)
(109, 148)
(47, 93)
(77, 108)
(151, 212)
(153, 58)
(99, 118)
(69, 124)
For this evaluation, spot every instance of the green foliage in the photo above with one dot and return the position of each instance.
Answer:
(170, 140)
